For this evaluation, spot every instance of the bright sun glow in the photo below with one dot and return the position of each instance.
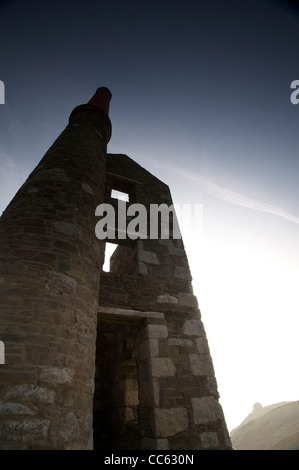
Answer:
(249, 305)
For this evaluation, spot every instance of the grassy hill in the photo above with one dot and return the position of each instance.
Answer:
(274, 427)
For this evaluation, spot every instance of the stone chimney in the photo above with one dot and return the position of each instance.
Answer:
(50, 277)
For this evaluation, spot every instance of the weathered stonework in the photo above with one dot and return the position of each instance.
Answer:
(178, 404)
(50, 271)
(95, 359)
(170, 421)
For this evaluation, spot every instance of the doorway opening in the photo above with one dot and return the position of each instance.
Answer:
(116, 396)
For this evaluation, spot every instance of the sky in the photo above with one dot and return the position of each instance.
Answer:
(200, 98)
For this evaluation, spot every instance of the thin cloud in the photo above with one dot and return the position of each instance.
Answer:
(232, 197)
(238, 199)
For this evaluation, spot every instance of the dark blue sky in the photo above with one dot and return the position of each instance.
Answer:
(204, 75)
(201, 98)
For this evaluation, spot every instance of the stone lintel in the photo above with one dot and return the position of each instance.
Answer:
(125, 315)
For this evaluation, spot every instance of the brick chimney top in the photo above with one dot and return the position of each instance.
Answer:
(99, 103)
(101, 99)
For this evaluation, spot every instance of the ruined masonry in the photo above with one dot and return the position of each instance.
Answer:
(94, 359)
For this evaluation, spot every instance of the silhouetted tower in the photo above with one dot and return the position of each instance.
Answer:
(118, 364)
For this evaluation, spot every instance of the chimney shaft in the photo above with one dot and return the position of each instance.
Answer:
(98, 105)
(49, 287)
(101, 99)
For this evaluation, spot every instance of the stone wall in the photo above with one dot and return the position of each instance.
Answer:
(177, 391)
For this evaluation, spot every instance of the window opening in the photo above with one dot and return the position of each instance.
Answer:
(109, 250)
(120, 195)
